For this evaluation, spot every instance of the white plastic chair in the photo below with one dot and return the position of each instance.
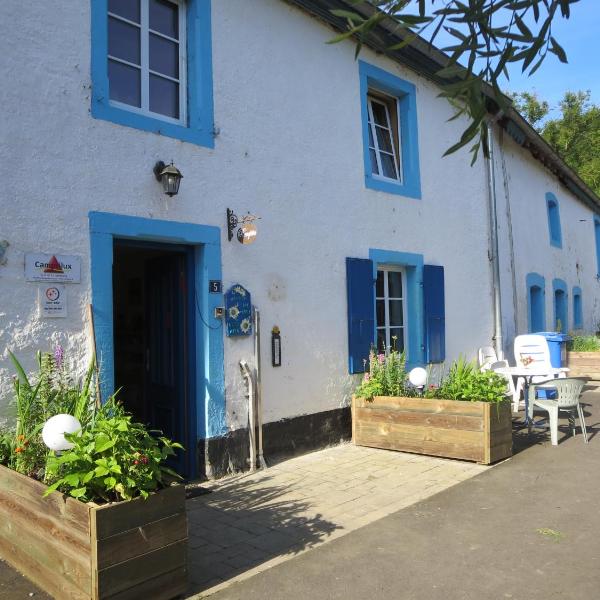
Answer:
(500, 367)
(568, 391)
(531, 351)
(486, 355)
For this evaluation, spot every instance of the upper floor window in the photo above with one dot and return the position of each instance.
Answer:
(553, 220)
(152, 66)
(390, 136)
(146, 57)
(384, 135)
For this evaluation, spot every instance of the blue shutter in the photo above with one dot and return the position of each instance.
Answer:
(361, 311)
(435, 314)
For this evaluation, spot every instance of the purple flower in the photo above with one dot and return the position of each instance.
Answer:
(59, 354)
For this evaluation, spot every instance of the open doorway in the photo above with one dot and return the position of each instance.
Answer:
(153, 300)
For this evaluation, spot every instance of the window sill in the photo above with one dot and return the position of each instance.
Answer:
(408, 189)
(102, 110)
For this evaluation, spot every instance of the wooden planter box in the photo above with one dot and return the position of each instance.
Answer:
(74, 550)
(584, 364)
(476, 431)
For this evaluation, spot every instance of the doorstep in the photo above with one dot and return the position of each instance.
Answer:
(253, 521)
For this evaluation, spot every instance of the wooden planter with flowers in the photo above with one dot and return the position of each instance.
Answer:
(75, 550)
(475, 431)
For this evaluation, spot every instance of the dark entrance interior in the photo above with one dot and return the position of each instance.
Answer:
(153, 307)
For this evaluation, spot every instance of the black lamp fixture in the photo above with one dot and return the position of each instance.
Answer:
(170, 177)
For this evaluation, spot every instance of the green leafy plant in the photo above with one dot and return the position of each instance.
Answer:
(51, 392)
(386, 376)
(112, 459)
(466, 382)
(584, 343)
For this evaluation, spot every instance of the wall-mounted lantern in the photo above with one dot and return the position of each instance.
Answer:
(246, 232)
(170, 177)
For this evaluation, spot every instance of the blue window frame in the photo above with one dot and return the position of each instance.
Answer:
(577, 308)
(536, 303)
(553, 220)
(412, 265)
(391, 137)
(559, 289)
(195, 123)
(597, 239)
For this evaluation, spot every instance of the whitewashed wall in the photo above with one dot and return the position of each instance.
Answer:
(522, 185)
(289, 150)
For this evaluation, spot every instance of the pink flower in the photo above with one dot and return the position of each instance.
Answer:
(366, 377)
(381, 358)
(59, 354)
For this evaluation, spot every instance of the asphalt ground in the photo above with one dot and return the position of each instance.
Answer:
(527, 529)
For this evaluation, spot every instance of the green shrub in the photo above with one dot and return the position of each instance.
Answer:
(112, 459)
(466, 382)
(584, 343)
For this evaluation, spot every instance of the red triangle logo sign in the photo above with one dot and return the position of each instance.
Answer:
(53, 266)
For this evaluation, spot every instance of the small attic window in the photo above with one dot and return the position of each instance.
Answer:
(553, 220)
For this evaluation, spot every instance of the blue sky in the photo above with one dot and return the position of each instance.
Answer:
(580, 37)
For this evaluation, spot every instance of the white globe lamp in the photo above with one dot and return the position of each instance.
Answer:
(54, 431)
(418, 377)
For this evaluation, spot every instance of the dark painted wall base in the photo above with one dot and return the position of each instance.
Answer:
(290, 437)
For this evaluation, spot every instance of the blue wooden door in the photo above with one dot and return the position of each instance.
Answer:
(166, 374)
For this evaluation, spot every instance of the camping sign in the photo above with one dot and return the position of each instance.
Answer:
(52, 267)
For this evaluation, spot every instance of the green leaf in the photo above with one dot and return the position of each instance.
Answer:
(557, 49)
(346, 14)
(72, 479)
(52, 488)
(78, 493)
(110, 482)
(103, 443)
(101, 471)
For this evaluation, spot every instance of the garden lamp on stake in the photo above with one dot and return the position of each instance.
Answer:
(54, 431)
(418, 377)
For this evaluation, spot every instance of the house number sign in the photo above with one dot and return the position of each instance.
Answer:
(215, 286)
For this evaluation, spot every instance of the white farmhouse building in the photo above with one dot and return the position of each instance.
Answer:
(366, 233)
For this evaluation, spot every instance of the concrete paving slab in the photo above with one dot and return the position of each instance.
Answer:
(302, 503)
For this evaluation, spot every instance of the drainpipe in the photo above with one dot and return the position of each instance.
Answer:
(251, 413)
(261, 459)
(494, 251)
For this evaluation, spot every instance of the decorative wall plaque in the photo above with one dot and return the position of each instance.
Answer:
(238, 311)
